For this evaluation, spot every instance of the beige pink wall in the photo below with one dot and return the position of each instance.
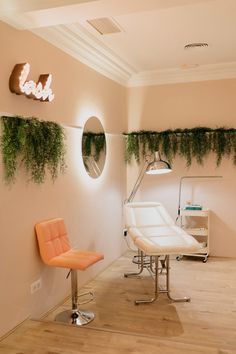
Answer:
(92, 209)
(210, 104)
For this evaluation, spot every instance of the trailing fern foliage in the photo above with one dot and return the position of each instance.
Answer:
(93, 144)
(195, 143)
(35, 144)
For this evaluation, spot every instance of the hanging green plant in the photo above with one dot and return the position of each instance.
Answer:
(93, 144)
(35, 144)
(195, 143)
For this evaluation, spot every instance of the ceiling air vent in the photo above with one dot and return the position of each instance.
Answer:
(104, 25)
(195, 45)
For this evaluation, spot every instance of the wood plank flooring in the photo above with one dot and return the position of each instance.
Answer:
(205, 325)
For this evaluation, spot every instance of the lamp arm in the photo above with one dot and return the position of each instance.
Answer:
(95, 167)
(92, 165)
(137, 183)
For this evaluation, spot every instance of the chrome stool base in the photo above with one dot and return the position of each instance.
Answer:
(77, 318)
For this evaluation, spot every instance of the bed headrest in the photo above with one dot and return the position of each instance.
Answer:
(146, 214)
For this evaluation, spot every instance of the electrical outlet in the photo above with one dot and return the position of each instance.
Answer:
(35, 286)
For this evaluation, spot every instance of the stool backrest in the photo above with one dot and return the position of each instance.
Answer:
(52, 238)
(140, 214)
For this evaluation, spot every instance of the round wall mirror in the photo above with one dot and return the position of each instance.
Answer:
(94, 147)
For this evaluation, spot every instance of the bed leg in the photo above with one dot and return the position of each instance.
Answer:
(156, 281)
(182, 299)
(141, 255)
(157, 290)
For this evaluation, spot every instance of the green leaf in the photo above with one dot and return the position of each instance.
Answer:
(38, 145)
(195, 143)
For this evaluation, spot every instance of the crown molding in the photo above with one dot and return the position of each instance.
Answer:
(83, 46)
(80, 44)
(171, 76)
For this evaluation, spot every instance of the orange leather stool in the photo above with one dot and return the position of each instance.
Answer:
(55, 250)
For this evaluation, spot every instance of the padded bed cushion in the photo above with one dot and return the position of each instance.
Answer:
(155, 233)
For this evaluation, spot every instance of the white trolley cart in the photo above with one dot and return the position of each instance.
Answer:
(197, 224)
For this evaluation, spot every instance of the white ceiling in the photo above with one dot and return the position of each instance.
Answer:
(150, 47)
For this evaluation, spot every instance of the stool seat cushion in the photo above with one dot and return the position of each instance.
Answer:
(75, 259)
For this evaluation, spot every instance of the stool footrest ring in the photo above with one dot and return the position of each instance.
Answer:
(90, 293)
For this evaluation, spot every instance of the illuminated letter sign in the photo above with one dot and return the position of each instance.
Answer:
(38, 91)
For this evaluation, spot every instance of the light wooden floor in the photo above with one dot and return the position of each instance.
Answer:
(205, 325)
